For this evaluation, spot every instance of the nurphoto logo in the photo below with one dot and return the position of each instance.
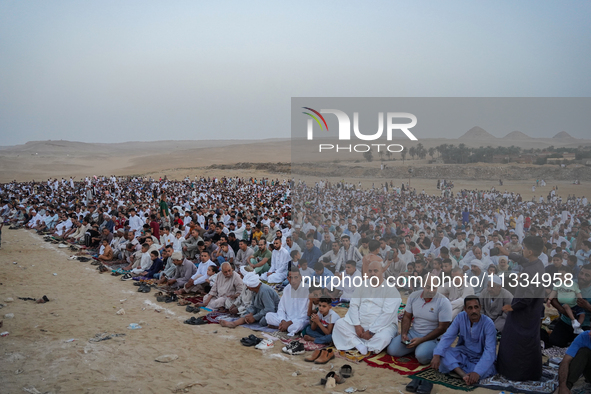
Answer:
(344, 130)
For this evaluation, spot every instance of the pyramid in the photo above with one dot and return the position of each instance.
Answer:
(477, 133)
(563, 134)
(517, 135)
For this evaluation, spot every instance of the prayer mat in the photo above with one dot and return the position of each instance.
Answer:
(308, 345)
(547, 385)
(406, 365)
(584, 389)
(437, 377)
(258, 327)
(350, 355)
(194, 300)
(555, 352)
(215, 317)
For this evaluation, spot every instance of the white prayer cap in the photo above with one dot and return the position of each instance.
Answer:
(477, 263)
(177, 256)
(251, 280)
(497, 279)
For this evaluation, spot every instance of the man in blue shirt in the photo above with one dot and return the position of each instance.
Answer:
(474, 356)
(311, 253)
(576, 362)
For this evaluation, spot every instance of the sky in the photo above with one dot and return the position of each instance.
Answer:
(113, 71)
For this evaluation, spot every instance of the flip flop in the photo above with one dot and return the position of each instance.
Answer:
(346, 371)
(144, 289)
(126, 277)
(171, 298)
(192, 309)
(194, 321)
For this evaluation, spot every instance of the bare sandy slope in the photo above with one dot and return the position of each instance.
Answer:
(40, 160)
(37, 354)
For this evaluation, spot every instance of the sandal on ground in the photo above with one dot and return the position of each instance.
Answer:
(192, 309)
(126, 277)
(346, 371)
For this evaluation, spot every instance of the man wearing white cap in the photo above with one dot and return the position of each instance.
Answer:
(477, 278)
(265, 301)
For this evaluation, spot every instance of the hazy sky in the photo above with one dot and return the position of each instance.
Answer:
(113, 71)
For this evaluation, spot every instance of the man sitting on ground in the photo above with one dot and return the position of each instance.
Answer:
(474, 355)
(371, 321)
(576, 362)
(493, 300)
(227, 286)
(292, 312)
(183, 272)
(456, 290)
(265, 300)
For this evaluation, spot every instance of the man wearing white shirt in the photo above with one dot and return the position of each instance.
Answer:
(135, 223)
(279, 261)
(404, 254)
(292, 311)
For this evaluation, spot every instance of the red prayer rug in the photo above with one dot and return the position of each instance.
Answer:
(405, 365)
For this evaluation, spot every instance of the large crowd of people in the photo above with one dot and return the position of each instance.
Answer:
(266, 251)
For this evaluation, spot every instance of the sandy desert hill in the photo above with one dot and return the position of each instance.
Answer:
(40, 160)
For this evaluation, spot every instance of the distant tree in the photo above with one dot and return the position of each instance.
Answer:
(403, 153)
(368, 156)
(389, 155)
(421, 151)
(381, 154)
(412, 152)
(431, 152)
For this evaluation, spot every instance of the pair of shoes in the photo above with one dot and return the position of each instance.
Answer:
(320, 356)
(196, 321)
(346, 371)
(171, 298)
(126, 277)
(332, 374)
(265, 344)
(102, 269)
(251, 340)
(144, 289)
(294, 348)
(192, 309)
(419, 386)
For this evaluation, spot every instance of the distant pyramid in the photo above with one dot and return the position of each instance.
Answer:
(563, 134)
(477, 133)
(517, 135)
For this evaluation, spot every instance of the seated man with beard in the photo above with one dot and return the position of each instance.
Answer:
(371, 322)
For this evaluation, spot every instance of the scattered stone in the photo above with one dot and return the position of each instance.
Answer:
(121, 311)
(167, 358)
(9, 299)
(9, 316)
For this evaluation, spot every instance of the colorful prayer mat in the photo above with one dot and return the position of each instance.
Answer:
(547, 385)
(350, 355)
(308, 345)
(214, 317)
(437, 377)
(406, 365)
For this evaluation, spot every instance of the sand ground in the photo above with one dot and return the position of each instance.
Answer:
(38, 354)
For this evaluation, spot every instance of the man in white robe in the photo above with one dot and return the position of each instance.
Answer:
(372, 319)
(292, 312)
(279, 261)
